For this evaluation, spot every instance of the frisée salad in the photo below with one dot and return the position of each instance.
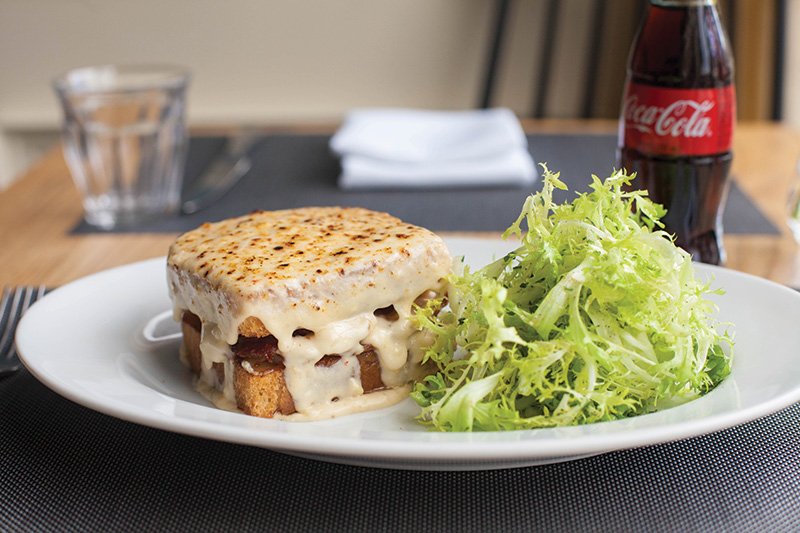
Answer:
(596, 316)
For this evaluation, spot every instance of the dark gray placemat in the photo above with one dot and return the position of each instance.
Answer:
(298, 170)
(67, 468)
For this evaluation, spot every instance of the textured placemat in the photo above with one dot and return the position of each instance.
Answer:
(67, 468)
(298, 170)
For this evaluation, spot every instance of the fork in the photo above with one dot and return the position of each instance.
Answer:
(15, 302)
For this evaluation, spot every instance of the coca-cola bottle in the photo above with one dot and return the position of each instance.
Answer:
(678, 114)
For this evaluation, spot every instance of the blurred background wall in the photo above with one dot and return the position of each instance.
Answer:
(309, 61)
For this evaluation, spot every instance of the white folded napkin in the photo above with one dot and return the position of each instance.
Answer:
(396, 148)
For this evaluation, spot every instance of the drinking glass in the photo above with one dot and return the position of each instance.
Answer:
(794, 205)
(125, 140)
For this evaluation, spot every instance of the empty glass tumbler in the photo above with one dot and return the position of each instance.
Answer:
(125, 140)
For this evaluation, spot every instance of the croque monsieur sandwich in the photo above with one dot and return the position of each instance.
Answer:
(304, 312)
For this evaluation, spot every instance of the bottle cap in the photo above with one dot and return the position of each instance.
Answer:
(683, 3)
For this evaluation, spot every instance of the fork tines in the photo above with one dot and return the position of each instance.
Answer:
(13, 305)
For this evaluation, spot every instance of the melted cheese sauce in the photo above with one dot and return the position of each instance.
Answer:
(324, 391)
(358, 404)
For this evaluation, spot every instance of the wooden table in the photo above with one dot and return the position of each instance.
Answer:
(38, 211)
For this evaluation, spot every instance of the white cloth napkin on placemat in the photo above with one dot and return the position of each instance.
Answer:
(399, 148)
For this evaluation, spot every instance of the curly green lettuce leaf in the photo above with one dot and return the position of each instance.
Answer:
(596, 316)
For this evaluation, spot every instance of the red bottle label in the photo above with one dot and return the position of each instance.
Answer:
(664, 121)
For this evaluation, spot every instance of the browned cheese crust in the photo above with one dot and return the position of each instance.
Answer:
(296, 256)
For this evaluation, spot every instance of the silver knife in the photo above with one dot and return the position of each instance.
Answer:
(223, 173)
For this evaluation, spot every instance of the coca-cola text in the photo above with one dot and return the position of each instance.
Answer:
(680, 118)
(668, 121)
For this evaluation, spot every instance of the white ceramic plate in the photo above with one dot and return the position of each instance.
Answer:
(85, 341)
